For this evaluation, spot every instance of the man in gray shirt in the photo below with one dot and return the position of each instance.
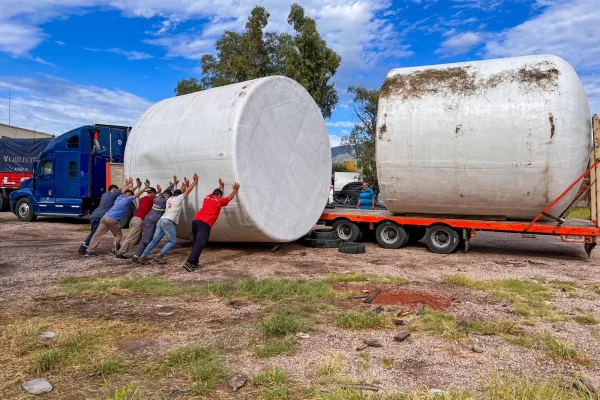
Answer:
(106, 202)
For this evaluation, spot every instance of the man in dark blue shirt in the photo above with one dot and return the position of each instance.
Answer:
(106, 202)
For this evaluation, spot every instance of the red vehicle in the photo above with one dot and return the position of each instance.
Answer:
(445, 234)
(16, 164)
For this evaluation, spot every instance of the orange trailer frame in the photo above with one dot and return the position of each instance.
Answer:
(574, 231)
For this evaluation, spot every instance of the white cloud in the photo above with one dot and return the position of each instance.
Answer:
(131, 55)
(335, 140)
(566, 28)
(460, 44)
(54, 105)
(184, 45)
(341, 124)
(44, 62)
(18, 39)
(60, 43)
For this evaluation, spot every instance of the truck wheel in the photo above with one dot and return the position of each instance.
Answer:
(442, 239)
(25, 210)
(352, 248)
(390, 235)
(346, 230)
(4, 204)
(415, 233)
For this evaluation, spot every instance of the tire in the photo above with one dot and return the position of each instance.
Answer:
(390, 235)
(24, 210)
(128, 215)
(322, 243)
(346, 230)
(415, 233)
(4, 203)
(442, 239)
(352, 248)
(324, 234)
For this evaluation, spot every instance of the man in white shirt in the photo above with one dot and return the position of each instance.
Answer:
(167, 224)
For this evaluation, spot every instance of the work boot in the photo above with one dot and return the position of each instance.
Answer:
(120, 257)
(81, 251)
(90, 254)
(188, 267)
(159, 258)
(135, 259)
(112, 252)
(143, 260)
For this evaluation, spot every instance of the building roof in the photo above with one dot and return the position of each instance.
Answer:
(26, 130)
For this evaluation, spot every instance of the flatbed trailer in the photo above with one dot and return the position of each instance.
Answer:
(445, 234)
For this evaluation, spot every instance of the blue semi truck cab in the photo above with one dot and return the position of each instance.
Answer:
(72, 173)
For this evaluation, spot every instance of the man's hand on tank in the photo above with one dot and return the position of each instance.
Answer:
(175, 181)
(236, 186)
(147, 184)
(138, 181)
(195, 177)
(221, 183)
(159, 189)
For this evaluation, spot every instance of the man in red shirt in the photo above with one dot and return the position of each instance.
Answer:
(204, 221)
(135, 225)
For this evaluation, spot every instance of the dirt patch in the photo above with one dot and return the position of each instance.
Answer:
(141, 347)
(465, 81)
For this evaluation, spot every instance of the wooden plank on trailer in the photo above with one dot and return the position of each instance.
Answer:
(593, 185)
(596, 149)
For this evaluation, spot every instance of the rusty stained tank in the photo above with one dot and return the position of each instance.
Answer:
(498, 137)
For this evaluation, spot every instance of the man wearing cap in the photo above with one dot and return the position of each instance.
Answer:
(159, 205)
(112, 219)
(167, 225)
(135, 225)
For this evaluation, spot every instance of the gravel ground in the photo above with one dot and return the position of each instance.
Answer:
(36, 255)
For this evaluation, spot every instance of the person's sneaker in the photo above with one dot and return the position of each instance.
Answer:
(188, 267)
(81, 251)
(143, 260)
(120, 257)
(135, 259)
(112, 252)
(90, 254)
(118, 246)
(159, 259)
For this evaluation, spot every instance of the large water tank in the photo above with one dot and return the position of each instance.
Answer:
(498, 138)
(268, 134)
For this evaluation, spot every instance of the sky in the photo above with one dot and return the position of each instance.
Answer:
(69, 63)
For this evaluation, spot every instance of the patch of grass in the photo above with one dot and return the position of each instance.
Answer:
(526, 341)
(388, 363)
(509, 387)
(269, 377)
(329, 368)
(568, 286)
(108, 367)
(355, 276)
(280, 323)
(206, 366)
(561, 351)
(360, 320)
(594, 287)
(527, 296)
(344, 394)
(287, 346)
(130, 392)
(587, 319)
(439, 324)
(279, 392)
(580, 213)
(104, 284)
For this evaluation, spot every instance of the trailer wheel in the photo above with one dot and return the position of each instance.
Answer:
(390, 235)
(25, 210)
(347, 231)
(442, 239)
(4, 204)
(416, 233)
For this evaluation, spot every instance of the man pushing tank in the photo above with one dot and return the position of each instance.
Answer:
(205, 219)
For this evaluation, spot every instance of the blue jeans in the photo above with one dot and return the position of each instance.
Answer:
(163, 227)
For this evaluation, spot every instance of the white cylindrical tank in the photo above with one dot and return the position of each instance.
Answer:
(491, 138)
(268, 134)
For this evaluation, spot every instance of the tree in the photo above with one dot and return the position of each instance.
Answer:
(340, 167)
(310, 62)
(187, 86)
(361, 141)
(254, 53)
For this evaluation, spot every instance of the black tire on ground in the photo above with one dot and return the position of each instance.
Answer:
(415, 233)
(322, 243)
(346, 230)
(352, 248)
(128, 215)
(390, 235)
(4, 204)
(24, 210)
(327, 234)
(442, 239)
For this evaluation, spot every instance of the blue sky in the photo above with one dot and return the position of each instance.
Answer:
(73, 62)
